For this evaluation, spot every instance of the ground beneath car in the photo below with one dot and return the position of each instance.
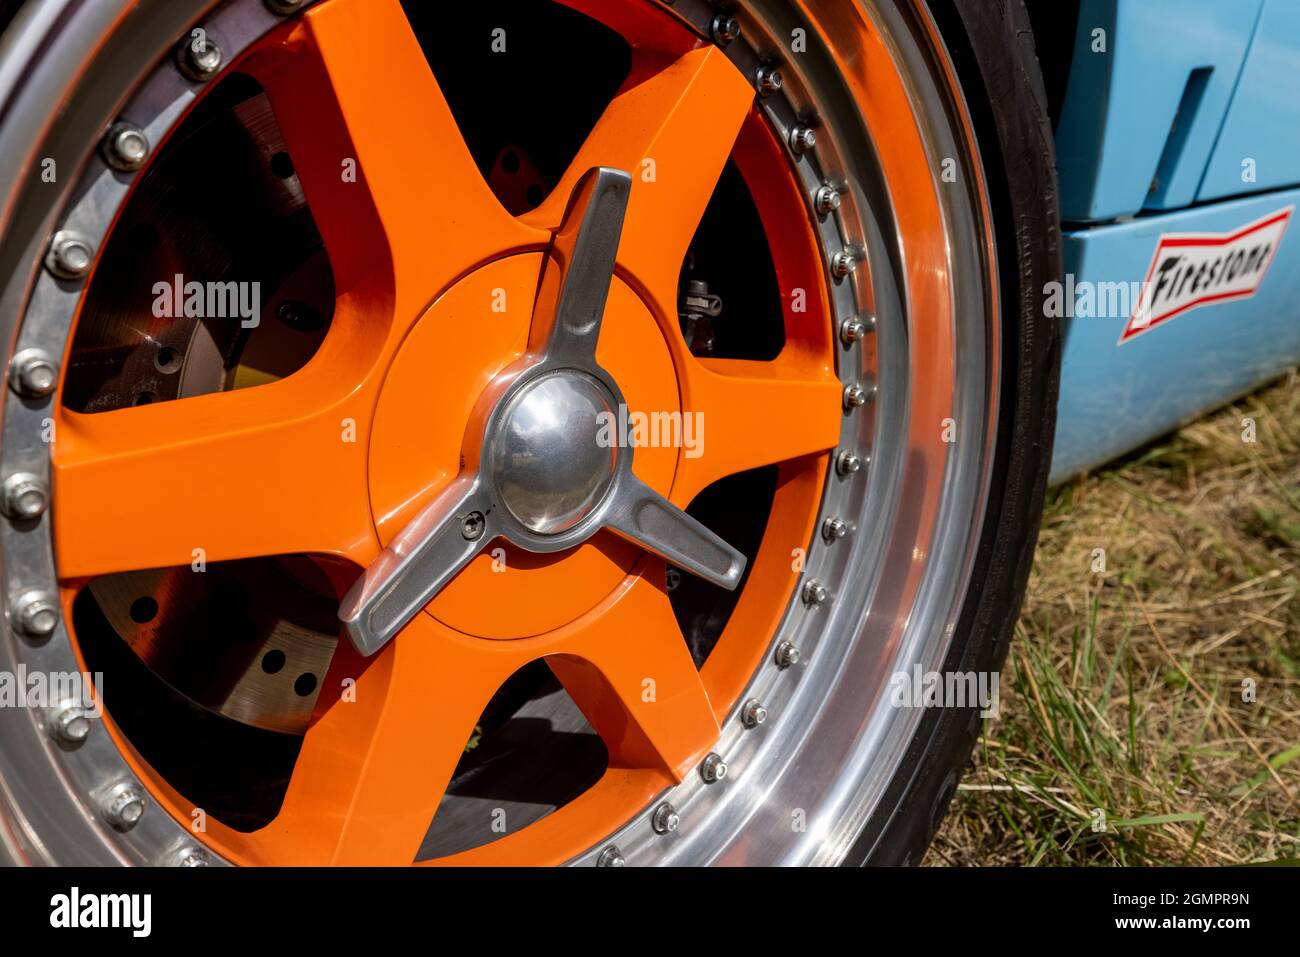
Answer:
(1122, 736)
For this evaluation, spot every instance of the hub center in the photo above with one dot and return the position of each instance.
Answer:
(550, 462)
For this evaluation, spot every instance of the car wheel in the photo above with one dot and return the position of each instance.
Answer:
(273, 275)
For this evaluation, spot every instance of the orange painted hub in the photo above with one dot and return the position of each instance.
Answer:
(466, 337)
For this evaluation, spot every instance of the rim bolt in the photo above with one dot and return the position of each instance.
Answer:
(36, 614)
(724, 29)
(33, 373)
(827, 200)
(123, 806)
(200, 64)
(852, 330)
(834, 529)
(752, 713)
(69, 724)
(787, 655)
(70, 255)
(802, 139)
(126, 147)
(769, 80)
(848, 462)
(856, 396)
(843, 263)
(191, 856)
(285, 7)
(472, 527)
(814, 592)
(665, 819)
(611, 857)
(713, 768)
(23, 496)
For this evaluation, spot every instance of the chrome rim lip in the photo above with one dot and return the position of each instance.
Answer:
(49, 794)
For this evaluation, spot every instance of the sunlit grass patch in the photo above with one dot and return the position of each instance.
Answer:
(1165, 597)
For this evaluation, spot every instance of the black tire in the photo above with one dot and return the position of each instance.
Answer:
(992, 49)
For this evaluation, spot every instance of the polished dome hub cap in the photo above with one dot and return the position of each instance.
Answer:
(551, 461)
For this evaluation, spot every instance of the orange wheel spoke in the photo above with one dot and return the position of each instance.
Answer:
(629, 670)
(213, 477)
(672, 126)
(754, 414)
(385, 175)
(372, 770)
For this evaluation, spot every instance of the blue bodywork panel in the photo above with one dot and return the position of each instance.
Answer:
(1151, 141)
(1142, 115)
(1116, 397)
(1263, 123)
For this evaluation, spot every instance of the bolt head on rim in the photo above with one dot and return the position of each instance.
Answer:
(191, 856)
(814, 592)
(770, 81)
(552, 460)
(827, 200)
(33, 373)
(833, 529)
(611, 857)
(123, 806)
(665, 819)
(802, 139)
(126, 147)
(70, 256)
(36, 614)
(199, 59)
(752, 713)
(23, 496)
(70, 724)
(725, 28)
(848, 462)
(713, 768)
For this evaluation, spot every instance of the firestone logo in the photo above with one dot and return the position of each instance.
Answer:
(1190, 270)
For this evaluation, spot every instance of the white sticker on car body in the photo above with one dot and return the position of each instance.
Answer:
(1200, 269)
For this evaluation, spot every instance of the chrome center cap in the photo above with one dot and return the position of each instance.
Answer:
(555, 450)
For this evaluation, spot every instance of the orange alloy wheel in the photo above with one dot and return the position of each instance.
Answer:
(503, 437)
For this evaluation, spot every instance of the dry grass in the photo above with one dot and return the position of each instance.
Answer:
(1124, 689)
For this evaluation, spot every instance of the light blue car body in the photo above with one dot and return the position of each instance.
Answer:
(1180, 117)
